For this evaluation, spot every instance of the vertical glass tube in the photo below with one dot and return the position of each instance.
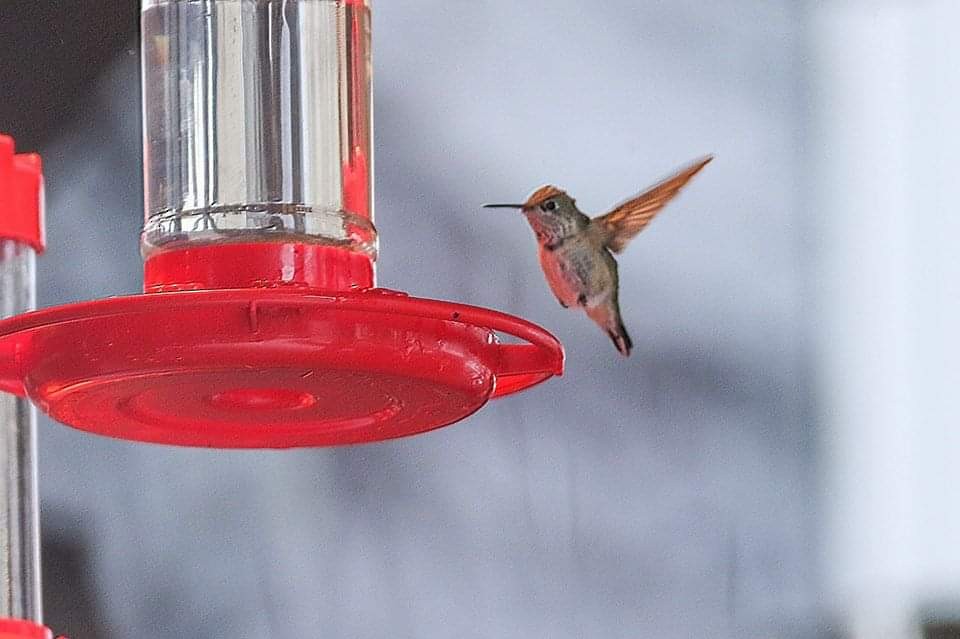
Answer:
(257, 123)
(20, 596)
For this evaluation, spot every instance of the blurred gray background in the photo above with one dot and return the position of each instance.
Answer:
(773, 461)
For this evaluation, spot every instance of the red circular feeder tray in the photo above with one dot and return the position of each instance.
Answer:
(267, 368)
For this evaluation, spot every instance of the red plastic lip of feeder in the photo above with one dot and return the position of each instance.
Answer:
(268, 345)
(269, 367)
(21, 196)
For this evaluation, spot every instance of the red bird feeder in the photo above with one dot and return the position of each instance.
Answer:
(261, 324)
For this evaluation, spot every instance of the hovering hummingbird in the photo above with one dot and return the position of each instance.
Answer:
(576, 252)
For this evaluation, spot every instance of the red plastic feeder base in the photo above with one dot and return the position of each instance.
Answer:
(269, 368)
(19, 629)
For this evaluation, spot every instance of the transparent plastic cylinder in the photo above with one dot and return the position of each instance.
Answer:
(257, 123)
(20, 596)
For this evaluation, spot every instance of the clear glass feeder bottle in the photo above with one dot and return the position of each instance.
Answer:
(257, 123)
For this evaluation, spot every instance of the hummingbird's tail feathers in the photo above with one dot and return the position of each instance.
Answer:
(607, 316)
(621, 339)
(623, 223)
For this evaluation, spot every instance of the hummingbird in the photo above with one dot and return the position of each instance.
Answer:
(576, 251)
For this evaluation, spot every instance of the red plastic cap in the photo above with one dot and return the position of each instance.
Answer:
(19, 629)
(275, 265)
(21, 196)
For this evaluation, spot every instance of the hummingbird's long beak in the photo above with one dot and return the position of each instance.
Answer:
(503, 206)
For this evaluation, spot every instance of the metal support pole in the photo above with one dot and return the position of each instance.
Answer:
(20, 594)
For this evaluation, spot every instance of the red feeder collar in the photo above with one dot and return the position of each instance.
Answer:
(257, 265)
(21, 196)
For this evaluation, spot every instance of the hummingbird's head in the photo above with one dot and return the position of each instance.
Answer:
(551, 212)
(547, 200)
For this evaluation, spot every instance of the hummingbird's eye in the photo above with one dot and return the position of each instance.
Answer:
(548, 206)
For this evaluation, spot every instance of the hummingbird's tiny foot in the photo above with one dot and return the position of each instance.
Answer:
(582, 300)
(562, 303)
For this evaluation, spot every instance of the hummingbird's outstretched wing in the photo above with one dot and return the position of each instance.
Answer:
(622, 224)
